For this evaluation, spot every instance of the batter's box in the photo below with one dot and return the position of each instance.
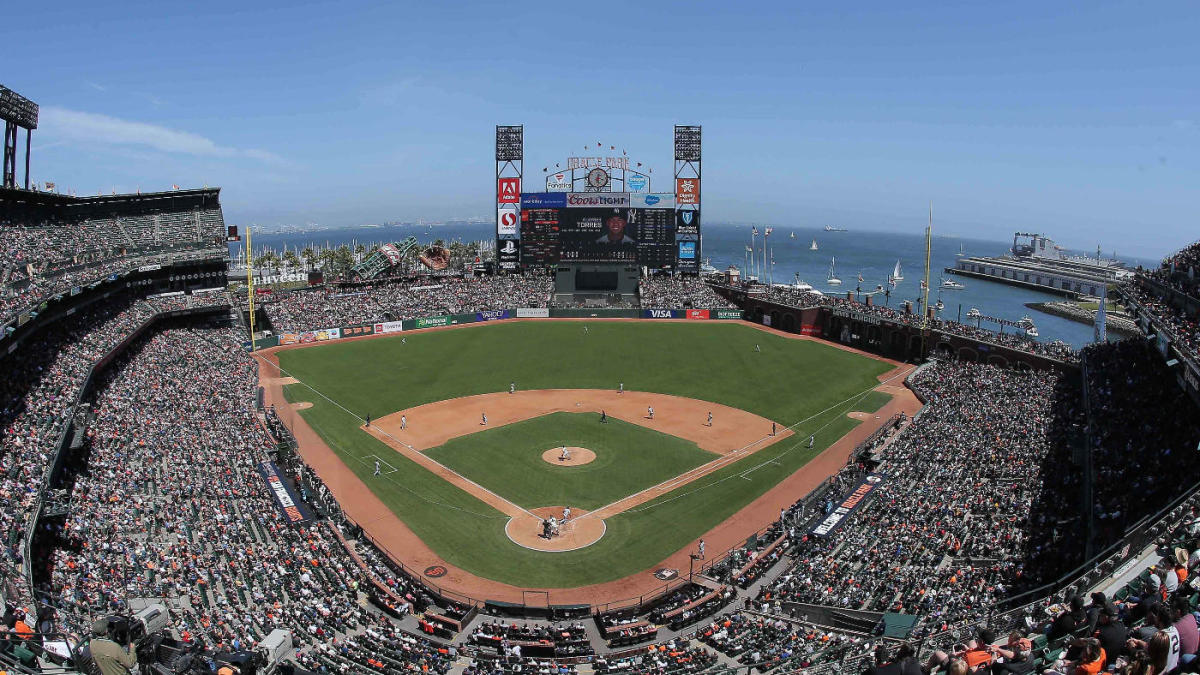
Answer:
(385, 467)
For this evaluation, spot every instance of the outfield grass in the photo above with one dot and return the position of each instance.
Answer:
(787, 381)
(508, 460)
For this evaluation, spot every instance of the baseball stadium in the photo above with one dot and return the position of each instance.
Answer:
(573, 448)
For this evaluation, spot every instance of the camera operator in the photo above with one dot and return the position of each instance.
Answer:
(110, 648)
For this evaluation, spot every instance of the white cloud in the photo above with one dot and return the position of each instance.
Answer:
(73, 125)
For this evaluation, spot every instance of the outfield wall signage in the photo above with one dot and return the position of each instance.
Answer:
(389, 327)
(491, 315)
(726, 314)
(658, 314)
(697, 314)
(433, 321)
(357, 331)
(285, 498)
(533, 313)
(857, 497)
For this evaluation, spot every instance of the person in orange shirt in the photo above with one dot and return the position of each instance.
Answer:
(975, 654)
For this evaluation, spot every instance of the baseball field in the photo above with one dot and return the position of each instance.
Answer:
(641, 487)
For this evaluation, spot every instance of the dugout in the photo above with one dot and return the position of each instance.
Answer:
(595, 284)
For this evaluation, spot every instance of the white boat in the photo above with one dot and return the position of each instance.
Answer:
(830, 228)
(973, 313)
(952, 285)
(833, 280)
(1032, 332)
(896, 274)
(792, 236)
(706, 267)
(814, 245)
(961, 252)
(797, 285)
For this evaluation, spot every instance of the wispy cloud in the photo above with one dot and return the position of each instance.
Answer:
(74, 125)
(97, 86)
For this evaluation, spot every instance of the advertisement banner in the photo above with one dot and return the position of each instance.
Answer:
(508, 190)
(655, 200)
(533, 313)
(491, 315)
(697, 313)
(508, 254)
(857, 497)
(687, 222)
(637, 182)
(507, 219)
(432, 321)
(687, 190)
(285, 499)
(576, 200)
(558, 182)
(543, 200)
(659, 314)
(358, 331)
(389, 327)
(289, 338)
(726, 314)
(323, 335)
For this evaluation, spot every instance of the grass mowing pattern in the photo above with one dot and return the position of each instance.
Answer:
(787, 381)
(508, 460)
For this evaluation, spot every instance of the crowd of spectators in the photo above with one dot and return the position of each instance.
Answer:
(949, 532)
(1016, 339)
(1144, 435)
(661, 292)
(1183, 329)
(330, 307)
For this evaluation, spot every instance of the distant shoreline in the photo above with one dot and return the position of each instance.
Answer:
(1073, 312)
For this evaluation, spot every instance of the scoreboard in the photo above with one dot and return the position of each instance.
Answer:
(555, 228)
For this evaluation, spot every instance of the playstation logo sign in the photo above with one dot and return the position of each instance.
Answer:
(509, 247)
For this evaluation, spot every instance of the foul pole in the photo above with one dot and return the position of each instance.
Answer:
(250, 286)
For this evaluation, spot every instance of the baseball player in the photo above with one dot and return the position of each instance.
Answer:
(603, 417)
(700, 548)
(810, 440)
(512, 387)
(710, 418)
(565, 455)
(403, 422)
(772, 428)
(368, 420)
(650, 411)
(376, 467)
(566, 514)
(621, 388)
(757, 348)
(484, 422)
(553, 526)
(585, 330)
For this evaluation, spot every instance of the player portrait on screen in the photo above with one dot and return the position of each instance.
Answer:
(614, 230)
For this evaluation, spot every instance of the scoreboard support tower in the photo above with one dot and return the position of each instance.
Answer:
(17, 112)
(687, 199)
(510, 170)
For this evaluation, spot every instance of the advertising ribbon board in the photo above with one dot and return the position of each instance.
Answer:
(491, 315)
(389, 327)
(285, 499)
(857, 497)
(358, 331)
(658, 314)
(697, 313)
(726, 314)
(533, 313)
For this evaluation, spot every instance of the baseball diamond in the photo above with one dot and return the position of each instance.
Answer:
(476, 498)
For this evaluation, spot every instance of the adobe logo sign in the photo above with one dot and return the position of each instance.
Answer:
(508, 191)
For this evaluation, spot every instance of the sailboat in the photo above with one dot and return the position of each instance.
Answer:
(896, 273)
(814, 245)
(961, 252)
(792, 236)
(833, 280)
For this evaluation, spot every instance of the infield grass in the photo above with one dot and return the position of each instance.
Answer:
(508, 460)
(804, 384)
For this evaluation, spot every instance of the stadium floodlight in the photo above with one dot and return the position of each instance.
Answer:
(17, 109)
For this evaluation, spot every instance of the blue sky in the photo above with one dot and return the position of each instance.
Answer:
(1080, 120)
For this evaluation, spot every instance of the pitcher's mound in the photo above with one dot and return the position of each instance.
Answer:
(578, 532)
(578, 456)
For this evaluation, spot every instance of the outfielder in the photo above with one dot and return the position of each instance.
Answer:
(376, 467)
(403, 422)
(650, 411)
(710, 418)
